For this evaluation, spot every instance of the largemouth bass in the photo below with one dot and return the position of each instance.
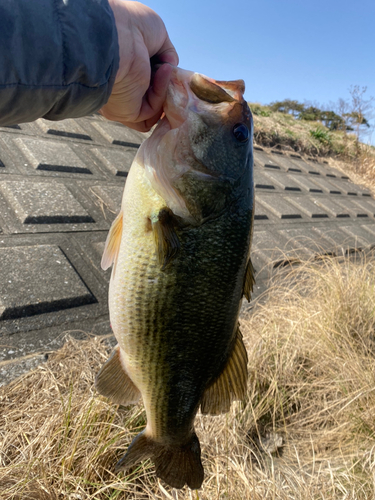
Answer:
(180, 250)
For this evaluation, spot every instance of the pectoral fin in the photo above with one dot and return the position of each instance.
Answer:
(113, 382)
(166, 239)
(231, 384)
(112, 244)
(249, 280)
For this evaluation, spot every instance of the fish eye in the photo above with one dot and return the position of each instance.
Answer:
(241, 132)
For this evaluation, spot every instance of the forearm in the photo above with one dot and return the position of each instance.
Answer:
(58, 59)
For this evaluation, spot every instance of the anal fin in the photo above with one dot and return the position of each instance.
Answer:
(249, 280)
(113, 382)
(231, 384)
(166, 240)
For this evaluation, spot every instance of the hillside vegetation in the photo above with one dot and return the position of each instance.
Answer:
(291, 132)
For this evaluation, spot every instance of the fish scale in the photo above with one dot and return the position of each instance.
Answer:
(181, 253)
(162, 300)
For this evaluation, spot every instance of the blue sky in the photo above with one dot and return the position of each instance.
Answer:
(295, 49)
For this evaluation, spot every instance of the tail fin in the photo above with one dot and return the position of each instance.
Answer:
(176, 465)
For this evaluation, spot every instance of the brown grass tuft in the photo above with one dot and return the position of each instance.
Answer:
(307, 430)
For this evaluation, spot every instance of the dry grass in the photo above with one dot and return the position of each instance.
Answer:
(362, 168)
(312, 383)
(283, 131)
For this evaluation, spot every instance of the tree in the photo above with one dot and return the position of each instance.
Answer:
(287, 106)
(360, 110)
(311, 113)
(331, 120)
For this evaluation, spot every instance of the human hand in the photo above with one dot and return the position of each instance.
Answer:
(141, 35)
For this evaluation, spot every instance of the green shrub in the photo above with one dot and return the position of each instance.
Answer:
(321, 135)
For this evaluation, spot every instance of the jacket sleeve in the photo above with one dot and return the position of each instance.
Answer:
(58, 58)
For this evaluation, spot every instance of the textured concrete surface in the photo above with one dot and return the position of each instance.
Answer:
(61, 185)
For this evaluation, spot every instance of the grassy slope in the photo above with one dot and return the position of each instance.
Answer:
(279, 130)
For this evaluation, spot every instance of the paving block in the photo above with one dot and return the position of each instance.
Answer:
(359, 232)
(10, 370)
(43, 203)
(116, 161)
(327, 186)
(333, 208)
(262, 181)
(344, 187)
(118, 134)
(110, 196)
(308, 241)
(38, 279)
(348, 204)
(308, 206)
(51, 156)
(260, 212)
(304, 166)
(370, 229)
(300, 243)
(64, 128)
(284, 181)
(366, 204)
(306, 183)
(267, 247)
(263, 160)
(279, 207)
(341, 240)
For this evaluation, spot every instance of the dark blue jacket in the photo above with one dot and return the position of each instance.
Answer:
(58, 58)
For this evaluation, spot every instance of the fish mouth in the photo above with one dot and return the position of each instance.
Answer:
(193, 91)
(167, 154)
(179, 97)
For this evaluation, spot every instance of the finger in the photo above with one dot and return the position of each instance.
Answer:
(154, 98)
(167, 53)
(144, 126)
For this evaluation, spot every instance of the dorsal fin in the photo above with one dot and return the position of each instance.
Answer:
(231, 384)
(112, 244)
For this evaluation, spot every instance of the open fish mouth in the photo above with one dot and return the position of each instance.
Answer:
(192, 91)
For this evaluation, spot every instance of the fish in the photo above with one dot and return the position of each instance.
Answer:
(180, 251)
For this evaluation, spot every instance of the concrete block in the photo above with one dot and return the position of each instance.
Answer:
(51, 156)
(116, 161)
(307, 184)
(333, 208)
(38, 279)
(63, 128)
(308, 206)
(119, 134)
(284, 181)
(262, 181)
(110, 196)
(43, 203)
(279, 207)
